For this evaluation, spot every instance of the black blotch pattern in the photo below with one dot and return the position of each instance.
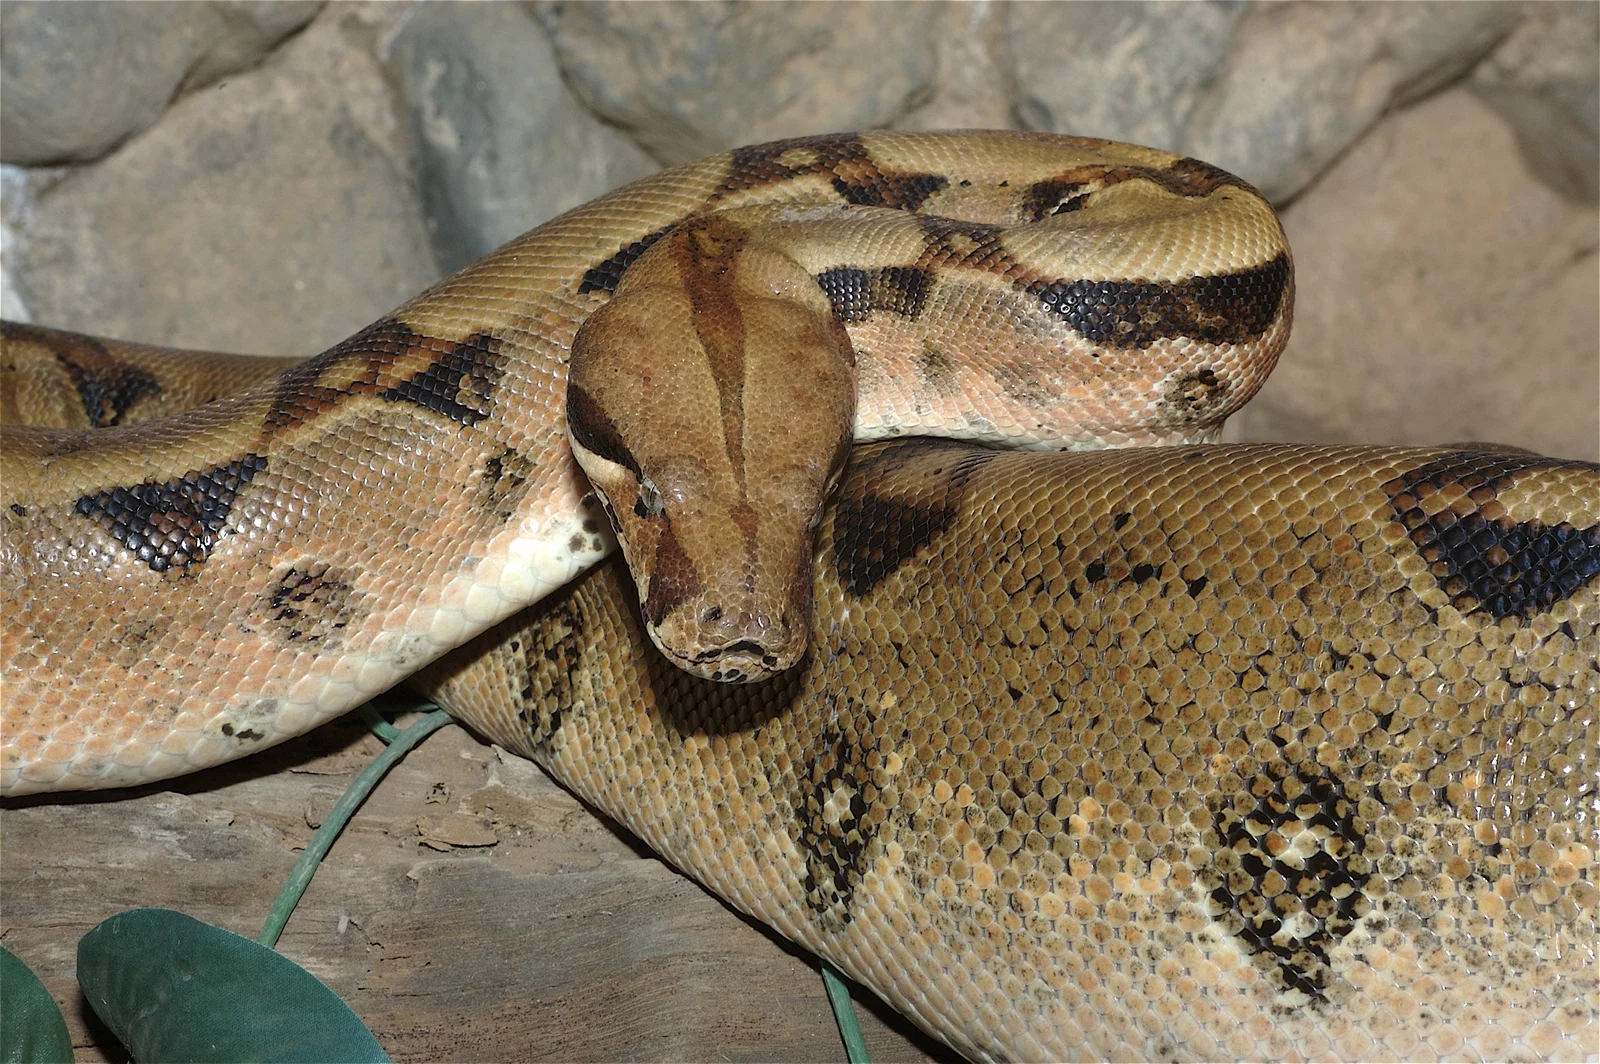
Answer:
(1194, 177)
(247, 733)
(1119, 573)
(1495, 565)
(1227, 308)
(1049, 198)
(877, 189)
(19, 509)
(605, 275)
(841, 158)
(1193, 396)
(459, 383)
(902, 290)
(847, 288)
(937, 369)
(875, 531)
(758, 164)
(836, 845)
(557, 638)
(880, 536)
(110, 390)
(856, 293)
(940, 229)
(1254, 892)
(301, 397)
(107, 388)
(503, 482)
(175, 522)
(309, 603)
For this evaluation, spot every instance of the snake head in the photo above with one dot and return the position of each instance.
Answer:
(712, 445)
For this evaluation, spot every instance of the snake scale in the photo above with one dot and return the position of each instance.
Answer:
(1254, 751)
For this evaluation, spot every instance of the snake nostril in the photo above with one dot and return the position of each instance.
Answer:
(712, 615)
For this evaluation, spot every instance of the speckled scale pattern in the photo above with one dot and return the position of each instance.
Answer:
(1136, 755)
(148, 569)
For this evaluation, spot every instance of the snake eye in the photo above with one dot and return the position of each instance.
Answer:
(649, 504)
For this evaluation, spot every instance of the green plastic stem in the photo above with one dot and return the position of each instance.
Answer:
(844, 1014)
(334, 823)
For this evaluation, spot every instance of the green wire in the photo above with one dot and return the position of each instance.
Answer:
(376, 724)
(400, 744)
(844, 1014)
(334, 823)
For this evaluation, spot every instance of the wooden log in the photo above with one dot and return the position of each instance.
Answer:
(472, 909)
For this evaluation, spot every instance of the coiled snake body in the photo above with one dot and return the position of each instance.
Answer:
(1253, 751)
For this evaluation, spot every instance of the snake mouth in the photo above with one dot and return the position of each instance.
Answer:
(740, 661)
(744, 661)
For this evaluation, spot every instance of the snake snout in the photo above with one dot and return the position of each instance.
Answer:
(732, 643)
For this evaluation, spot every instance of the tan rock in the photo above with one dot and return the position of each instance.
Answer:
(973, 90)
(1545, 80)
(1304, 80)
(1271, 91)
(1445, 294)
(1124, 71)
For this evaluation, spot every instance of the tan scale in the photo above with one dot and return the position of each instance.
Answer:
(1406, 636)
(342, 525)
(1187, 754)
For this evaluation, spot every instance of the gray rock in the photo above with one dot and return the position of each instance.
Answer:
(237, 33)
(973, 90)
(689, 79)
(273, 214)
(77, 79)
(1445, 294)
(1304, 80)
(1271, 91)
(16, 199)
(501, 145)
(1545, 80)
(1124, 71)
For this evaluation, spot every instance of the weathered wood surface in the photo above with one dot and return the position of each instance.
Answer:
(472, 910)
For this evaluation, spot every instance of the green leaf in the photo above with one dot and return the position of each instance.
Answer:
(175, 989)
(31, 1028)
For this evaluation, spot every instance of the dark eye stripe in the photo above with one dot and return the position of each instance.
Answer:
(592, 428)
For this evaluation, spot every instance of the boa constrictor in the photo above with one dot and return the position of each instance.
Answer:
(1191, 752)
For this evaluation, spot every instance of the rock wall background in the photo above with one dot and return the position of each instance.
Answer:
(271, 176)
